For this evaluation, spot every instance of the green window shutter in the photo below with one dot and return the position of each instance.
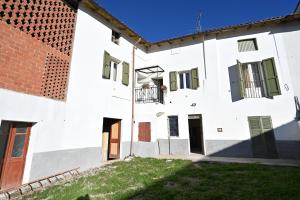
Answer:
(106, 66)
(257, 139)
(255, 126)
(267, 129)
(173, 81)
(195, 78)
(125, 74)
(266, 124)
(271, 78)
(241, 79)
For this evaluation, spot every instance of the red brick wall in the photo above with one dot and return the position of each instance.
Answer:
(35, 55)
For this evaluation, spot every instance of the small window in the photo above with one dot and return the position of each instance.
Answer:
(173, 125)
(115, 37)
(247, 45)
(115, 70)
(185, 80)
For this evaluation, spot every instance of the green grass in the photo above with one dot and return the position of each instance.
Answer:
(179, 179)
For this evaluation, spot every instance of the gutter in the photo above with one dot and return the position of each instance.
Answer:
(132, 94)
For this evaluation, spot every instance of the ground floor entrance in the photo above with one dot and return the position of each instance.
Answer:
(196, 134)
(14, 139)
(262, 137)
(111, 137)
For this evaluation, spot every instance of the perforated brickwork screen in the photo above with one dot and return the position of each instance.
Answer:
(55, 78)
(51, 21)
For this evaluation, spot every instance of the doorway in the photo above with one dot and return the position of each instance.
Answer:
(160, 93)
(14, 140)
(262, 137)
(196, 134)
(111, 137)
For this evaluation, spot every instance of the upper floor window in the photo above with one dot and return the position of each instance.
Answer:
(115, 37)
(185, 79)
(112, 66)
(258, 79)
(247, 45)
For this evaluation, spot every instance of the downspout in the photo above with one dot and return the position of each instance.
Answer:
(204, 57)
(132, 94)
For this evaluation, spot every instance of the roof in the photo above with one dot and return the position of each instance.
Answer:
(96, 8)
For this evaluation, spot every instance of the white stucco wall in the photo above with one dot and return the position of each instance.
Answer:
(213, 97)
(90, 97)
(77, 122)
(48, 116)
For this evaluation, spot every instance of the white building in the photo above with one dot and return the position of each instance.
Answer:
(226, 92)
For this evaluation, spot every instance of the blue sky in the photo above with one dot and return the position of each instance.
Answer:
(157, 20)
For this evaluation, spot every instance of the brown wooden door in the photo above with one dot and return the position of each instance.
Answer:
(114, 140)
(15, 155)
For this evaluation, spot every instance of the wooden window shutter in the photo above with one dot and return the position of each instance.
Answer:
(257, 139)
(106, 65)
(145, 131)
(195, 78)
(125, 74)
(173, 81)
(271, 77)
(255, 126)
(241, 79)
(267, 130)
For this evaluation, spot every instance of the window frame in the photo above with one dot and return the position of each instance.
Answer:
(114, 71)
(248, 39)
(115, 75)
(170, 130)
(115, 37)
(185, 81)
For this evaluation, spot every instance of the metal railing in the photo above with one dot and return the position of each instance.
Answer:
(254, 89)
(151, 94)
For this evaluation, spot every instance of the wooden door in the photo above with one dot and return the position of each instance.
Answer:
(15, 155)
(262, 137)
(114, 140)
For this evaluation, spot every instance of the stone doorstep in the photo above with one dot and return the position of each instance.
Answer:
(48, 181)
(38, 185)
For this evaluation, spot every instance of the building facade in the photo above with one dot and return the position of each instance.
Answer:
(78, 87)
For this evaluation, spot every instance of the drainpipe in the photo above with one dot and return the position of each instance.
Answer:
(132, 94)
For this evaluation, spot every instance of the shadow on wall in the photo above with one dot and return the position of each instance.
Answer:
(263, 145)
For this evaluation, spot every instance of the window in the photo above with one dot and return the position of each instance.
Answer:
(115, 70)
(111, 66)
(185, 80)
(252, 73)
(173, 125)
(258, 79)
(247, 45)
(115, 37)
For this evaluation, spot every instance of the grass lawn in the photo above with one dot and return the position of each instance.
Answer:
(155, 179)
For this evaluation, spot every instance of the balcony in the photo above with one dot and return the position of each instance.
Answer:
(151, 94)
(254, 89)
